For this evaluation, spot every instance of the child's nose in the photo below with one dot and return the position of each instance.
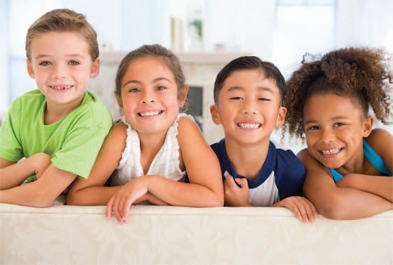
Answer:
(60, 71)
(148, 98)
(327, 136)
(249, 107)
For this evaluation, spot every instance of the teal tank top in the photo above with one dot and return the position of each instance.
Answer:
(371, 156)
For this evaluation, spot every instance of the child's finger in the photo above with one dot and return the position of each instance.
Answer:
(312, 211)
(116, 210)
(231, 182)
(242, 182)
(120, 207)
(126, 208)
(295, 210)
(109, 209)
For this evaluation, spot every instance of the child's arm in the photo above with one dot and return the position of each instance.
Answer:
(334, 202)
(381, 142)
(13, 174)
(204, 190)
(91, 191)
(42, 192)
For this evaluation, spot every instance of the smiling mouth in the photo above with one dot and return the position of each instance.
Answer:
(150, 113)
(61, 87)
(331, 151)
(249, 125)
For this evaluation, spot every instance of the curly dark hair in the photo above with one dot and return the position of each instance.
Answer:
(357, 73)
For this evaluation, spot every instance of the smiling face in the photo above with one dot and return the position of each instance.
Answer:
(248, 107)
(335, 127)
(149, 96)
(61, 65)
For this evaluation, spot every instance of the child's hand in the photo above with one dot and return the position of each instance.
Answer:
(122, 200)
(150, 198)
(300, 206)
(235, 195)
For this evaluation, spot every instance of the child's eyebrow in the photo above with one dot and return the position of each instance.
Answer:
(75, 55)
(154, 81)
(39, 56)
(242, 88)
(341, 117)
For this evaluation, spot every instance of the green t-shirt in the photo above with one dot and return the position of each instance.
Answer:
(73, 142)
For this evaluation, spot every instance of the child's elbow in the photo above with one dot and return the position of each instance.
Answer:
(217, 200)
(333, 210)
(73, 199)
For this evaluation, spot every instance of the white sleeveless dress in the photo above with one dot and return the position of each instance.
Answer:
(165, 164)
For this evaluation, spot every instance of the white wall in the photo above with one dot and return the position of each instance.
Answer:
(246, 26)
(4, 93)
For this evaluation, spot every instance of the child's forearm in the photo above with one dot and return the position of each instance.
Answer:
(348, 204)
(378, 185)
(183, 194)
(28, 195)
(93, 195)
(14, 174)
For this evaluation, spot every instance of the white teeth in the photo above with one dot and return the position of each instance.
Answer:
(61, 87)
(150, 113)
(331, 151)
(249, 125)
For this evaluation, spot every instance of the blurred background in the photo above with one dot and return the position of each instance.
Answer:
(205, 34)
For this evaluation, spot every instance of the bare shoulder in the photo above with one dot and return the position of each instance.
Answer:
(117, 136)
(303, 154)
(380, 140)
(187, 128)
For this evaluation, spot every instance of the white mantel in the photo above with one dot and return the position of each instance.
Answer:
(200, 69)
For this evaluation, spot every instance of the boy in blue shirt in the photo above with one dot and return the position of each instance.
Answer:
(248, 95)
(60, 127)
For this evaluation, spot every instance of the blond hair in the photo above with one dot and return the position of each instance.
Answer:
(63, 20)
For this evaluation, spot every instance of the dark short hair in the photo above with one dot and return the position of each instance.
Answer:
(249, 63)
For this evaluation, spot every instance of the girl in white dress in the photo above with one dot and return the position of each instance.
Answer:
(154, 148)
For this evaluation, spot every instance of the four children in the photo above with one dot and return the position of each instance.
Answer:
(156, 154)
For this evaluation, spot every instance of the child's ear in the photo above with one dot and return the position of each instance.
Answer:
(119, 101)
(215, 115)
(282, 111)
(30, 69)
(368, 124)
(183, 95)
(95, 68)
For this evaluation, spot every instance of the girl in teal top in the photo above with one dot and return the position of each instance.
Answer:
(348, 163)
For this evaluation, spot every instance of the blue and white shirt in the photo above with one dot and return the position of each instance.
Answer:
(282, 175)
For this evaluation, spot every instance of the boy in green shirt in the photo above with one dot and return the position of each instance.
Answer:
(60, 127)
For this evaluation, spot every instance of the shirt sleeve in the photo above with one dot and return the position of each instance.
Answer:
(10, 145)
(290, 174)
(80, 150)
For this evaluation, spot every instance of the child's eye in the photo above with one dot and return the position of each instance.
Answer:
(338, 124)
(236, 98)
(313, 128)
(264, 99)
(133, 90)
(74, 63)
(161, 88)
(45, 63)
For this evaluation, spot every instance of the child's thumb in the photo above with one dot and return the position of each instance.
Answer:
(242, 182)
